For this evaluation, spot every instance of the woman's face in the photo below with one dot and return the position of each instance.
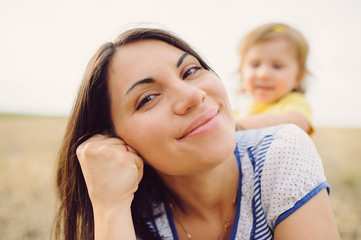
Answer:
(174, 113)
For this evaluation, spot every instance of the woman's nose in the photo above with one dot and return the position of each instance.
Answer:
(187, 97)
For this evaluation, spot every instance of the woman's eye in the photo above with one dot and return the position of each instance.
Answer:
(190, 71)
(145, 100)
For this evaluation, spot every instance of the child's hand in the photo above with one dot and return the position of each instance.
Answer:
(112, 171)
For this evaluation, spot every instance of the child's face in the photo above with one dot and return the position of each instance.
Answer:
(270, 70)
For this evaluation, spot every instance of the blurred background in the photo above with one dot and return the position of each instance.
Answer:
(46, 44)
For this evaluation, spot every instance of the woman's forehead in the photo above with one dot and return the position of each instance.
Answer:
(149, 47)
(142, 55)
(142, 59)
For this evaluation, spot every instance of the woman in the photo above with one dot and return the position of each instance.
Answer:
(150, 152)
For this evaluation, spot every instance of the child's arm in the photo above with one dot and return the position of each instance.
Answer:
(267, 120)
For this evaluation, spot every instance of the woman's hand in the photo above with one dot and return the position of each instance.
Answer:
(112, 171)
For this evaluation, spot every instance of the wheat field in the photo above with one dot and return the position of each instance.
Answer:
(28, 150)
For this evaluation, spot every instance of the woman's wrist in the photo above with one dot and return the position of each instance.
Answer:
(114, 223)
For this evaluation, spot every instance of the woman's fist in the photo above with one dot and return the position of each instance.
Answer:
(112, 171)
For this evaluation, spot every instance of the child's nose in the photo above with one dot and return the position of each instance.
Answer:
(263, 72)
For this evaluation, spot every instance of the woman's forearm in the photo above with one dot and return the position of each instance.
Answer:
(114, 224)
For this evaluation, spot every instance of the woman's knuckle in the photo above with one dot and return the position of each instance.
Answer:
(104, 151)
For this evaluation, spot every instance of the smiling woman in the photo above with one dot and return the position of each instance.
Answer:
(188, 101)
(151, 152)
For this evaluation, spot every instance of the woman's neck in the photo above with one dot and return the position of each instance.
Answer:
(206, 194)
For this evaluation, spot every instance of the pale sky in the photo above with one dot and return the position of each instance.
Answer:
(46, 44)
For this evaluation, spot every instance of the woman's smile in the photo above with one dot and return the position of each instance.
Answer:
(180, 108)
(205, 123)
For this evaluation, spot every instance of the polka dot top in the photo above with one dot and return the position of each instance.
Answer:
(280, 170)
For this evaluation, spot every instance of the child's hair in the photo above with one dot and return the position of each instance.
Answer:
(271, 31)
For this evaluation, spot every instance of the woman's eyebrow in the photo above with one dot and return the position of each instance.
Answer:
(180, 61)
(143, 81)
(151, 80)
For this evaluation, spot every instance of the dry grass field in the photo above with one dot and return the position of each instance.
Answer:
(28, 149)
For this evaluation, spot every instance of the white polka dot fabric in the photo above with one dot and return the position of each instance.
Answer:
(280, 172)
(292, 170)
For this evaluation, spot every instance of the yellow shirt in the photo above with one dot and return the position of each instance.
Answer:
(294, 101)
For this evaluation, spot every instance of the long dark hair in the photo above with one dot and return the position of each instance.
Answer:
(91, 115)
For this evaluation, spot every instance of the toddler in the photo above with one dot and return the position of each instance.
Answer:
(273, 67)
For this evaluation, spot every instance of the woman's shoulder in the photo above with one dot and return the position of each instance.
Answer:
(292, 173)
(257, 137)
(283, 164)
(269, 143)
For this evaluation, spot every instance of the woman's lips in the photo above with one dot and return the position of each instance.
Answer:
(205, 123)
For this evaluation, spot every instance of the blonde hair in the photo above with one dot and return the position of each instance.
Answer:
(270, 31)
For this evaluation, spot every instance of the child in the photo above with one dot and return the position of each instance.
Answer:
(273, 67)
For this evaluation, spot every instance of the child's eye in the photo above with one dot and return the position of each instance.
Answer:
(255, 64)
(277, 66)
(190, 71)
(146, 99)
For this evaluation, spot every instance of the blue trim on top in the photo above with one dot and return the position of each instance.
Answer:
(154, 226)
(301, 202)
(257, 154)
(239, 196)
(254, 200)
(170, 220)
